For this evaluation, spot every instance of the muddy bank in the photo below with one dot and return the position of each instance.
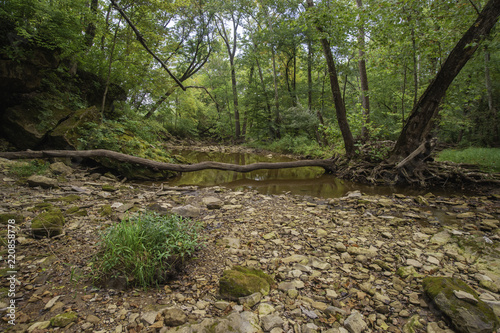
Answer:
(354, 263)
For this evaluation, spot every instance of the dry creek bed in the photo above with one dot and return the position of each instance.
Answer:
(330, 258)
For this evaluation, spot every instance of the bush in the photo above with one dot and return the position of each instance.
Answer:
(146, 248)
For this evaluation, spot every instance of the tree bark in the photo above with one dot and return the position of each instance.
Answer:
(420, 122)
(365, 99)
(337, 95)
(326, 164)
(489, 89)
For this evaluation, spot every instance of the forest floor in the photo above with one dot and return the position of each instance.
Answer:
(329, 258)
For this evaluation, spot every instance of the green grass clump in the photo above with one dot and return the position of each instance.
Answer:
(146, 248)
(488, 159)
(26, 169)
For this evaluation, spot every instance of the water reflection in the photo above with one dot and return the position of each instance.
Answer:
(310, 181)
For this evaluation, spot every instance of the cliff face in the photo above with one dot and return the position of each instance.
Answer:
(38, 95)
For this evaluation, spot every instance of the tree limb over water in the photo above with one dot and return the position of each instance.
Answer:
(326, 164)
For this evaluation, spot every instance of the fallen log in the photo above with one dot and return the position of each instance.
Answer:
(326, 164)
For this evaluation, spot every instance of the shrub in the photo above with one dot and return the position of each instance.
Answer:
(146, 248)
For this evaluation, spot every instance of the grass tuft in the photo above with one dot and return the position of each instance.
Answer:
(146, 248)
(488, 159)
(26, 169)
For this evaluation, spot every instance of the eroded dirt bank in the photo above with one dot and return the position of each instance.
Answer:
(329, 258)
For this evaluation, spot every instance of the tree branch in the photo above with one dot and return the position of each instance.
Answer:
(143, 43)
(326, 164)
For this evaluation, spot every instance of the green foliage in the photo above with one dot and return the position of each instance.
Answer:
(146, 248)
(26, 169)
(488, 159)
(47, 24)
(300, 145)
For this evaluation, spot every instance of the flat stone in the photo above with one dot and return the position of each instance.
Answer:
(296, 258)
(251, 300)
(213, 202)
(440, 238)
(60, 168)
(265, 309)
(187, 211)
(222, 305)
(42, 181)
(149, 317)
(174, 316)
(355, 323)
(414, 263)
(271, 321)
(296, 284)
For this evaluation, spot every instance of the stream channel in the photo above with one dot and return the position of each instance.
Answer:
(305, 181)
(308, 181)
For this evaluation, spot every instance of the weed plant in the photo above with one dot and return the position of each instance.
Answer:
(146, 248)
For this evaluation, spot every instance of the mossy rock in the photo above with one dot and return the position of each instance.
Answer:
(241, 281)
(43, 206)
(48, 224)
(106, 210)
(4, 218)
(69, 198)
(63, 319)
(109, 188)
(465, 315)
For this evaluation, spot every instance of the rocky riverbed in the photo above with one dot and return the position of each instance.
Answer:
(352, 264)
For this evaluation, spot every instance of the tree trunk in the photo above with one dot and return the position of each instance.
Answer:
(108, 79)
(337, 95)
(264, 91)
(489, 88)
(309, 74)
(159, 102)
(277, 117)
(326, 164)
(365, 99)
(420, 122)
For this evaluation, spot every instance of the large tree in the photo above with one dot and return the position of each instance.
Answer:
(420, 122)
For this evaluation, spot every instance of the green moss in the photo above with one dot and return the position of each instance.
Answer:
(72, 210)
(441, 291)
(106, 210)
(43, 206)
(109, 188)
(4, 218)
(63, 319)
(242, 281)
(48, 224)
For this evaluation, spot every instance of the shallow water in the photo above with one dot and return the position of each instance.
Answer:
(310, 181)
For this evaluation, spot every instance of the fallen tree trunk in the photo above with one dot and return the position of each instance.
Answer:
(326, 164)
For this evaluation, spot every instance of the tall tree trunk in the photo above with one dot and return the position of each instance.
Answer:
(365, 99)
(415, 67)
(237, 131)
(309, 74)
(160, 101)
(337, 95)
(264, 91)
(108, 79)
(489, 88)
(420, 121)
(277, 116)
